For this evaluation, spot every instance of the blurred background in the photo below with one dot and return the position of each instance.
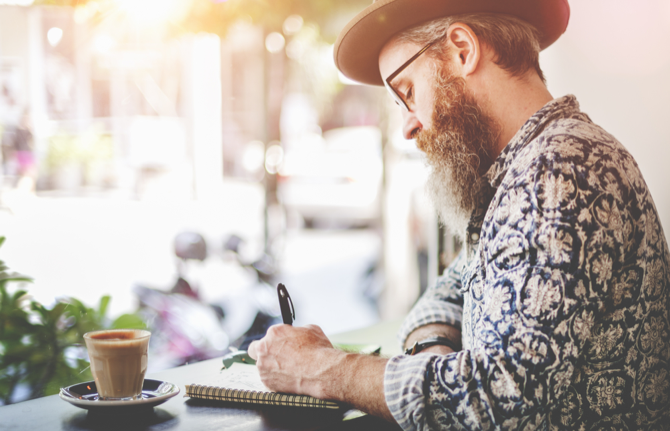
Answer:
(166, 162)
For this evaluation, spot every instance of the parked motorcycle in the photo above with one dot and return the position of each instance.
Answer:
(184, 328)
(187, 328)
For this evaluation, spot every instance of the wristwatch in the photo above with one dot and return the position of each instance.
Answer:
(431, 341)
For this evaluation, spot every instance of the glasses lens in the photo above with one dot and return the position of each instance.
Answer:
(399, 100)
(396, 96)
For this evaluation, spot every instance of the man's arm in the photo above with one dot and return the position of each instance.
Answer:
(437, 312)
(302, 360)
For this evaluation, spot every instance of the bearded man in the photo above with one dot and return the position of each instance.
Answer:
(555, 314)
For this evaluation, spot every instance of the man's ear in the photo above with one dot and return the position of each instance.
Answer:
(463, 47)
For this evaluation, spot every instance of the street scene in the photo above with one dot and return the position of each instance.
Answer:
(117, 245)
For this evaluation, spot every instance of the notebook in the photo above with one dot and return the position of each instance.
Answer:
(242, 383)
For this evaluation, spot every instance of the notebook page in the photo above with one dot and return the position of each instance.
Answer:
(237, 376)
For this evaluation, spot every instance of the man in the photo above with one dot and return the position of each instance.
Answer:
(555, 315)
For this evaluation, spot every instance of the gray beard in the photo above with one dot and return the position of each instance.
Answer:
(459, 148)
(447, 200)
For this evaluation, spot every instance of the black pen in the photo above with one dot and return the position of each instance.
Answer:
(285, 304)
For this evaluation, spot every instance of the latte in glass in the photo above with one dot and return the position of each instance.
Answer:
(118, 361)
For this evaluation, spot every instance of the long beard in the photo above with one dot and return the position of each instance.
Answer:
(460, 147)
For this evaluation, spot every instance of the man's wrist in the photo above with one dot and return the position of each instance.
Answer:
(419, 346)
(327, 383)
(356, 380)
(361, 384)
(434, 330)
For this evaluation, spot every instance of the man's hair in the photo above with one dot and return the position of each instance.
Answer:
(515, 42)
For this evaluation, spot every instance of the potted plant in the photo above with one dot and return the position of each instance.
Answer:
(41, 349)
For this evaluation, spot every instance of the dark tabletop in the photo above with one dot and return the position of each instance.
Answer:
(180, 413)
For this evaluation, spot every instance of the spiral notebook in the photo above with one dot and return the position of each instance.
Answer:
(241, 383)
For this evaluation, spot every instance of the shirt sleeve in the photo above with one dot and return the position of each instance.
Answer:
(440, 303)
(531, 312)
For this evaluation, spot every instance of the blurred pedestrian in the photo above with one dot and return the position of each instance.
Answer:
(25, 156)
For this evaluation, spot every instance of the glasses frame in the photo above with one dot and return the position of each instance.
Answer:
(387, 82)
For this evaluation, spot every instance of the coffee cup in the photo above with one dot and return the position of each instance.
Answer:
(118, 362)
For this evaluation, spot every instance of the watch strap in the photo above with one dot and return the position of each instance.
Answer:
(431, 341)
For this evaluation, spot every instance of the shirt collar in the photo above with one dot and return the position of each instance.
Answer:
(557, 108)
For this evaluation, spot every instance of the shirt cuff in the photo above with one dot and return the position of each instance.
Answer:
(403, 389)
(426, 312)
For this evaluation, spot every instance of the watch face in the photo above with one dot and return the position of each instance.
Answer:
(411, 350)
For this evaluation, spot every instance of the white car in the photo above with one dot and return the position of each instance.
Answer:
(336, 178)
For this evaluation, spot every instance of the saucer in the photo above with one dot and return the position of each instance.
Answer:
(85, 395)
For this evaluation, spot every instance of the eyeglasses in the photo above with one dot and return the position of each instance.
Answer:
(387, 82)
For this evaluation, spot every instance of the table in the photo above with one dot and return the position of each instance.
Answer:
(181, 414)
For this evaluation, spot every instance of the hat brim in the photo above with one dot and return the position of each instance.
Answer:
(359, 43)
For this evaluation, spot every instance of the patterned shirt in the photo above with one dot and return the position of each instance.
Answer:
(561, 295)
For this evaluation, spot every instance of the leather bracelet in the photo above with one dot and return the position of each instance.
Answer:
(431, 341)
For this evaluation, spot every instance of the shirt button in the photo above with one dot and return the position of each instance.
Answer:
(474, 236)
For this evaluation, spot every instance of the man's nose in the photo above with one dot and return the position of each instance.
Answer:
(410, 124)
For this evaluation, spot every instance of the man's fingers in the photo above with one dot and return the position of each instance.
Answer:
(315, 328)
(276, 330)
(277, 337)
(252, 350)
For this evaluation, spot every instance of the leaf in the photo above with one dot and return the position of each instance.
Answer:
(129, 321)
(12, 276)
(54, 315)
(41, 310)
(102, 308)
(18, 295)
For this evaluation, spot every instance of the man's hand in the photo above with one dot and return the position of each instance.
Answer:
(442, 330)
(302, 360)
(297, 360)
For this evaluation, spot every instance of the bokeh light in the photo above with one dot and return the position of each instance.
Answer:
(54, 36)
(103, 43)
(292, 24)
(274, 42)
(274, 157)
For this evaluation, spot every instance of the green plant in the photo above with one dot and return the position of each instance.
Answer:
(41, 349)
(92, 146)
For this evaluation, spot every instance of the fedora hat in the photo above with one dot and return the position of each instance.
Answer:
(359, 43)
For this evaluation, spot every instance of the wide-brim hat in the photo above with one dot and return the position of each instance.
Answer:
(359, 43)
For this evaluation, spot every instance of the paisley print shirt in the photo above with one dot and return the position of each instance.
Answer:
(561, 295)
